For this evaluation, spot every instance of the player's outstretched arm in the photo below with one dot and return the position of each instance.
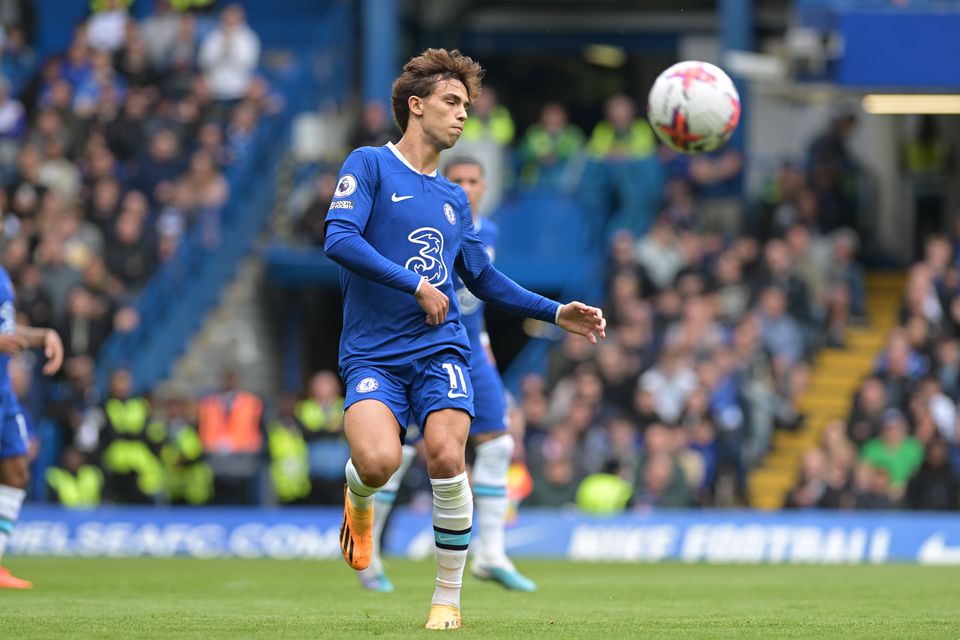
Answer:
(490, 285)
(49, 340)
(495, 288)
(583, 320)
(12, 344)
(485, 281)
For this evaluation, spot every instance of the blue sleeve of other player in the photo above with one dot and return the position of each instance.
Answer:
(482, 278)
(489, 233)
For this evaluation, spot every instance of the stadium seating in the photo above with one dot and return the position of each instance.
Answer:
(643, 237)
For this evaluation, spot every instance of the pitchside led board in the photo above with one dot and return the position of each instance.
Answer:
(688, 536)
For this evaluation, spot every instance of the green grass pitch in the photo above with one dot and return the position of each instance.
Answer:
(211, 599)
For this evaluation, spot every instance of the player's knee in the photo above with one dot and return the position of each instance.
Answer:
(378, 475)
(446, 461)
(376, 467)
(24, 479)
(15, 475)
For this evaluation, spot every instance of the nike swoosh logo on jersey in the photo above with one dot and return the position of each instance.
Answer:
(397, 198)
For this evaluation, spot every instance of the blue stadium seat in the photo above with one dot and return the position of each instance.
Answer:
(542, 240)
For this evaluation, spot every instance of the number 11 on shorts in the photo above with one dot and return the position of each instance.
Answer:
(458, 384)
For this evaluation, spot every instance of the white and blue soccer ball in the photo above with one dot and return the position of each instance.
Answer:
(693, 107)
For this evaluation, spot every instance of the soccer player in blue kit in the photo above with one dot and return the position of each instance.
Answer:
(14, 442)
(397, 229)
(493, 445)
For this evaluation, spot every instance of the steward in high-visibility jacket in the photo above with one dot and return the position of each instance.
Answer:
(189, 477)
(103, 5)
(319, 419)
(603, 494)
(496, 126)
(76, 485)
(541, 145)
(230, 422)
(184, 5)
(633, 143)
(289, 469)
(928, 158)
(547, 147)
(129, 445)
(231, 429)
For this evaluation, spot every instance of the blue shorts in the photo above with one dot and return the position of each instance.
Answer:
(489, 401)
(489, 398)
(14, 439)
(414, 390)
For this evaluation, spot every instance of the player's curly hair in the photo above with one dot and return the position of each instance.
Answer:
(422, 73)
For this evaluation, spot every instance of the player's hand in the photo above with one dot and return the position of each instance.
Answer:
(583, 320)
(12, 345)
(53, 349)
(434, 302)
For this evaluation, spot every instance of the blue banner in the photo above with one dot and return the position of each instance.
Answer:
(905, 49)
(688, 536)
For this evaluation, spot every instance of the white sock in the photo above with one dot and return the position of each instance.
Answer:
(361, 496)
(384, 505)
(490, 488)
(10, 501)
(452, 519)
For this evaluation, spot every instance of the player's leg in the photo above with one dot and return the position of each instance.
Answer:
(445, 437)
(14, 476)
(374, 577)
(373, 434)
(375, 409)
(494, 450)
(442, 401)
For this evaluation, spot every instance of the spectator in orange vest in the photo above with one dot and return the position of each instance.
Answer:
(231, 431)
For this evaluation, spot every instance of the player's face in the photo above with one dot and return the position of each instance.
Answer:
(444, 113)
(470, 178)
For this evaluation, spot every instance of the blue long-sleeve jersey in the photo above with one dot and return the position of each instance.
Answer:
(471, 307)
(390, 226)
(8, 326)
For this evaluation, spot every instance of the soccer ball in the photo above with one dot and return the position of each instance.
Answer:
(693, 107)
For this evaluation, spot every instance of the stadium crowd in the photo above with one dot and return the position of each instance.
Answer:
(900, 445)
(109, 153)
(713, 326)
(716, 309)
(112, 151)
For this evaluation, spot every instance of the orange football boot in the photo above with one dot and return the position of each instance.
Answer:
(356, 534)
(7, 581)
